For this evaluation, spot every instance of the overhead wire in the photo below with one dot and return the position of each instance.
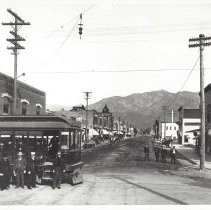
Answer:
(68, 22)
(112, 71)
(184, 82)
(70, 32)
(179, 92)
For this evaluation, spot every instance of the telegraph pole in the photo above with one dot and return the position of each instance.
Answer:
(87, 97)
(201, 42)
(119, 126)
(16, 25)
(172, 121)
(164, 108)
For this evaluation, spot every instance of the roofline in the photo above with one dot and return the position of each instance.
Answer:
(22, 83)
(61, 119)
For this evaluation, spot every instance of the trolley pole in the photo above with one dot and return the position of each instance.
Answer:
(201, 42)
(87, 97)
(16, 25)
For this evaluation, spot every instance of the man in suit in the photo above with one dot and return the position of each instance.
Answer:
(20, 170)
(31, 171)
(5, 173)
(58, 169)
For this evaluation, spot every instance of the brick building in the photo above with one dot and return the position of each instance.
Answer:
(30, 101)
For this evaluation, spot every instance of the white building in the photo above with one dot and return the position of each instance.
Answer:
(189, 120)
(171, 130)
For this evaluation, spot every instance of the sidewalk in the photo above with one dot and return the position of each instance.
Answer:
(190, 154)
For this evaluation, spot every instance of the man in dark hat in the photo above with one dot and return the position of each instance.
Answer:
(31, 171)
(20, 170)
(5, 173)
(58, 169)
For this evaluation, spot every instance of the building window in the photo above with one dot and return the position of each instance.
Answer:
(186, 139)
(209, 113)
(6, 108)
(175, 128)
(38, 108)
(166, 127)
(24, 108)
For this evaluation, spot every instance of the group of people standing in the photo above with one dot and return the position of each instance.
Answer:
(24, 171)
(161, 151)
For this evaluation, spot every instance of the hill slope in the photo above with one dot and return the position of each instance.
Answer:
(142, 109)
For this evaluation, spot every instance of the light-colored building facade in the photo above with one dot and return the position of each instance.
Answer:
(171, 130)
(189, 121)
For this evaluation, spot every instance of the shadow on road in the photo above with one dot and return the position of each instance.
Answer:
(152, 191)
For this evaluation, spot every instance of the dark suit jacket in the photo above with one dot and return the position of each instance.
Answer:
(58, 163)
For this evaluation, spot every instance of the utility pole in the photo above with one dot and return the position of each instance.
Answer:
(164, 108)
(16, 25)
(119, 126)
(201, 42)
(172, 121)
(87, 97)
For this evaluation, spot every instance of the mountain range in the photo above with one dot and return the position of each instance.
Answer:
(142, 109)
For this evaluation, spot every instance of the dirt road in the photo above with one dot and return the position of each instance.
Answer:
(118, 174)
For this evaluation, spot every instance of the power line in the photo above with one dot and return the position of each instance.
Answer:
(70, 32)
(67, 23)
(115, 32)
(184, 82)
(177, 94)
(111, 71)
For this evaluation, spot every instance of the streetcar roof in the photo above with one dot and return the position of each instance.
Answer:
(37, 122)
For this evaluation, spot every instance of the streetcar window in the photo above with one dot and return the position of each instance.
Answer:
(77, 140)
(65, 140)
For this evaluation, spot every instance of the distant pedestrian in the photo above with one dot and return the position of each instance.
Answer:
(146, 152)
(5, 173)
(20, 170)
(173, 155)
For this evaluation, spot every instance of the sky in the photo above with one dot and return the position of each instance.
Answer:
(126, 47)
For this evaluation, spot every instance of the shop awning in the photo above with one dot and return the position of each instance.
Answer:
(195, 130)
(105, 132)
(93, 132)
(118, 132)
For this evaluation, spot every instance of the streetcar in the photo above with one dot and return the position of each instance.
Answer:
(34, 133)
